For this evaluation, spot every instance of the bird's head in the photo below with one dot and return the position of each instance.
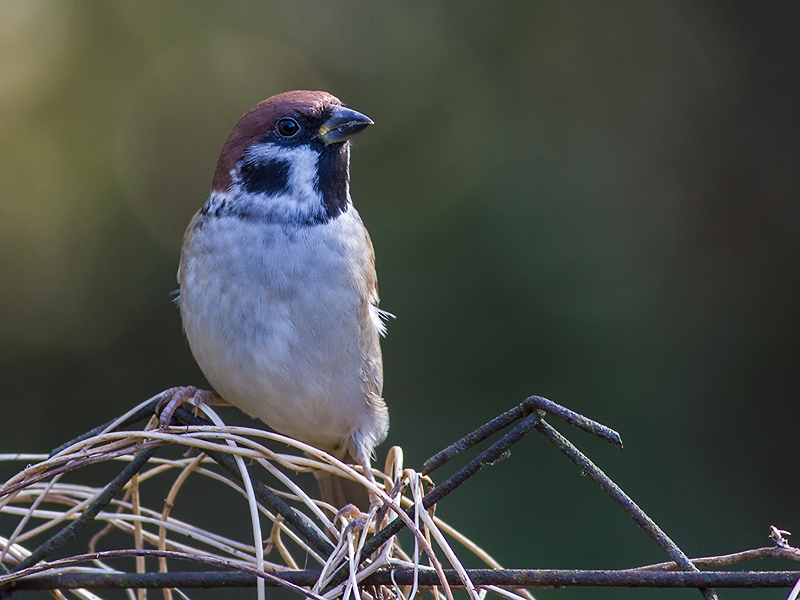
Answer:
(288, 158)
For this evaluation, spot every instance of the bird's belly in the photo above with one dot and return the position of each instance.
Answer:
(279, 331)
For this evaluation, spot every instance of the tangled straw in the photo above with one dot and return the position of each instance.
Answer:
(44, 501)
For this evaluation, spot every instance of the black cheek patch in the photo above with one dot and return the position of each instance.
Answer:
(269, 178)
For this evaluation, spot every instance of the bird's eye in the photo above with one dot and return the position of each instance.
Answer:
(287, 127)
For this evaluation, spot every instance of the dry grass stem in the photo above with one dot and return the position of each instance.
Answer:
(50, 492)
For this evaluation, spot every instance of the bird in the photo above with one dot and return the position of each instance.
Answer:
(278, 290)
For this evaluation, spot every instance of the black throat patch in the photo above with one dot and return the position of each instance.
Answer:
(333, 178)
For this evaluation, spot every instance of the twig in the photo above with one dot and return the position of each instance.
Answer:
(70, 465)
(621, 498)
(129, 580)
(471, 439)
(729, 559)
(528, 578)
(501, 422)
(575, 419)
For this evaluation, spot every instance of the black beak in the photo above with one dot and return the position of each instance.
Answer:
(343, 124)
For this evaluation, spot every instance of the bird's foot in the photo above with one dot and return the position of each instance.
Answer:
(172, 398)
(354, 519)
(348, 512)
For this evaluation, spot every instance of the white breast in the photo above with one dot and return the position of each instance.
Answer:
(282, 323)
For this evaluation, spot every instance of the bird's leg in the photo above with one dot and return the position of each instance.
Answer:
(172, 398)
(374, 499)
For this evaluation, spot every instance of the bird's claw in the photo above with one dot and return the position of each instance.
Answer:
(348, 512)
(172, 398)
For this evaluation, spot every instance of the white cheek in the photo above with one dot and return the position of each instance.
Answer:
(301, 197)
(302, 174)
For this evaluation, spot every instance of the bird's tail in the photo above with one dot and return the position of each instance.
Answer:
(339, 491)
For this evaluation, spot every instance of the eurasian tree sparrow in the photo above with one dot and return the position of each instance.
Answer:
(278, 292)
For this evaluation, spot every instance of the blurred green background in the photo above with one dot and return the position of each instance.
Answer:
(595, 202)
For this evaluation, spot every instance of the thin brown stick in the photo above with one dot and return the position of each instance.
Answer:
(108, 554)
(729, 559)
(141, 593)
(73, 464)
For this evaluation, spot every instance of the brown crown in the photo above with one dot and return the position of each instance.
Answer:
(259, 122)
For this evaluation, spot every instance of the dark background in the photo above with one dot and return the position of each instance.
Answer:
(595, 202)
